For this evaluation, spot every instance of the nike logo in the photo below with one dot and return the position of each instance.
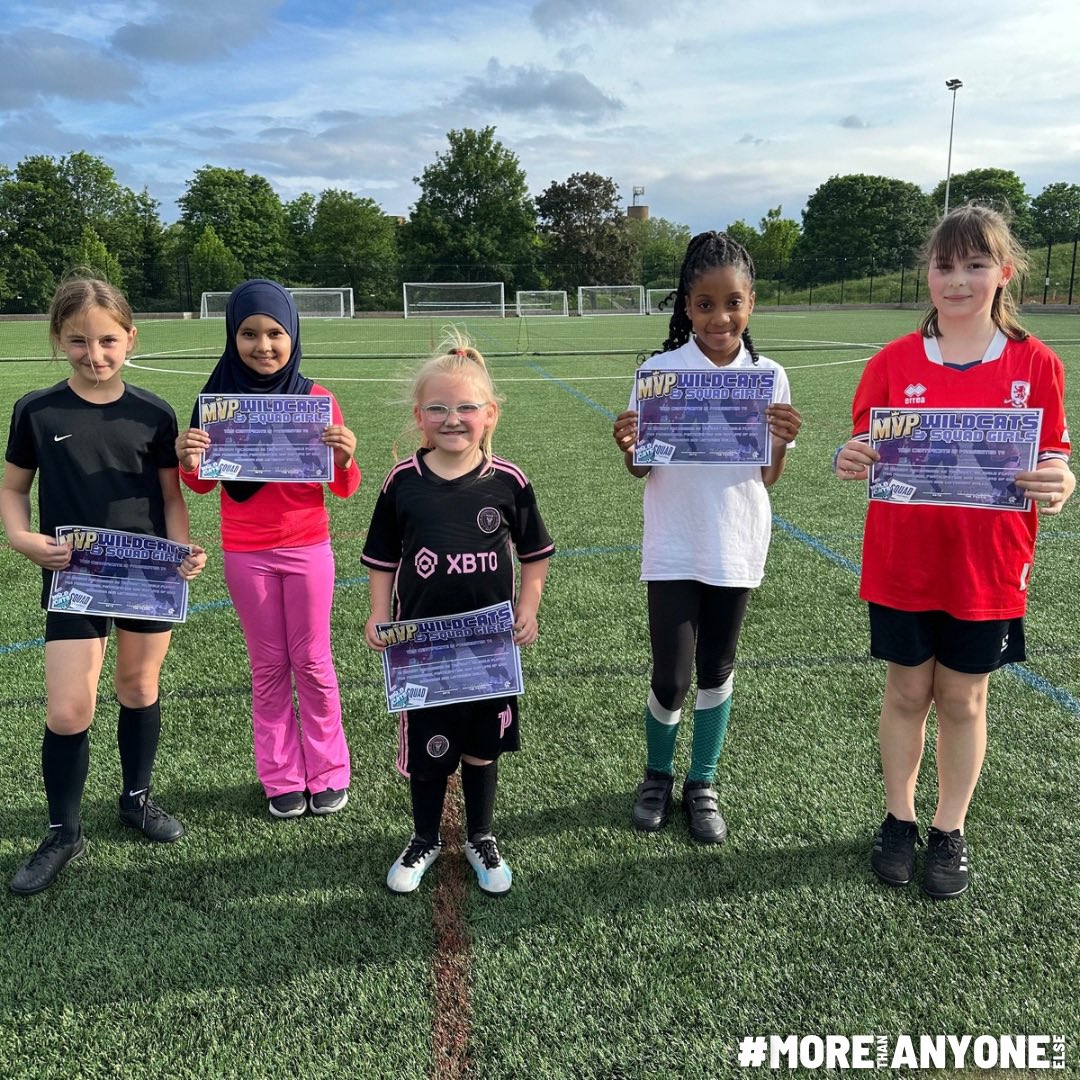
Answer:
(61, 438)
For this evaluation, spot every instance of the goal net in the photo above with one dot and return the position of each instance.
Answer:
(542, 302)
(310, 303)
(454, 299)
(611, 300)
(659, 301)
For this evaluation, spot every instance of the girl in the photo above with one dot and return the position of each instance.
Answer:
(279, 566)
(103, 453)
(454, 498)
(706, 538)
(947, 613)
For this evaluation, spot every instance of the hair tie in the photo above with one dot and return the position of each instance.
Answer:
(458, 352)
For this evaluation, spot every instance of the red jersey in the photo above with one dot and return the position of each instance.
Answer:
(967, 561)
(279, 515)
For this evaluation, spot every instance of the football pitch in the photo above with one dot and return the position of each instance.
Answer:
(260, 948)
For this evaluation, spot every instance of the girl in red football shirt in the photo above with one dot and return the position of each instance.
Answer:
(948, 610)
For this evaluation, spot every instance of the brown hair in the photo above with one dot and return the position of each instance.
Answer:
(79, 294)
(459, 358)
(970, 230)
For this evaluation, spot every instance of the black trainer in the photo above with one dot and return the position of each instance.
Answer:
(139, 811)
(288, 805)
(699, 803)
(652, 801)
(41, 869)
(893, 856)
(945, 872)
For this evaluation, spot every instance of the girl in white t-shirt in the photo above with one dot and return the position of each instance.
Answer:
(706, 537)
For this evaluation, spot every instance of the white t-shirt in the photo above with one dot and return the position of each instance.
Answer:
(707, 523)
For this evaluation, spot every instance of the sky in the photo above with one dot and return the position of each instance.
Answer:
(719, 110)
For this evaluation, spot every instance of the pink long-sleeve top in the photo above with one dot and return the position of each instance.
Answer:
(279, 515)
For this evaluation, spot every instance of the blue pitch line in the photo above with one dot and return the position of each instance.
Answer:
(339, 583)
(1024, 674)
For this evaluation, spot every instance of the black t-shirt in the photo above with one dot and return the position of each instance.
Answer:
(96, 464)
(451, 542)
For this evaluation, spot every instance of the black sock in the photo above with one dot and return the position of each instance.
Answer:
(137, 734)
(478, 784)
(427, 805)
(65, 762)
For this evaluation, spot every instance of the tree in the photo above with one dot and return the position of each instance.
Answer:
(245, 213)
(586, 237)
(299, 219)
(776, 242)
(1001, 189)
(856, 223)
(354, 243)
(214, 268)
(474, 220)
(1055, 212)
(91, 254)
(744, 234)
(660, 246)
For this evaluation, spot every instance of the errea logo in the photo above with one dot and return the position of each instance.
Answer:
(915, 394)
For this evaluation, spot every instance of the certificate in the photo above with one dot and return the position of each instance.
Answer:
(266, 437)
(703, 417)
(953, 457)
(453, 658)
(120, 574)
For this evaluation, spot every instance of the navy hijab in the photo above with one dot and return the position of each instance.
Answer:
(231, 375)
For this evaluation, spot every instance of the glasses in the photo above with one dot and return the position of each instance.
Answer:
(465, 410)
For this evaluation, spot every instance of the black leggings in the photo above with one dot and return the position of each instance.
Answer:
(688, 618)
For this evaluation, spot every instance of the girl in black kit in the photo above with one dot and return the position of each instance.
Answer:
(103, 455)
(441, 542)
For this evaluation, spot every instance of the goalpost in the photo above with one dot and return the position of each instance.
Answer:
(310, 303)
(658, 303)
(453, 299)
(611, 300)
(542, 302)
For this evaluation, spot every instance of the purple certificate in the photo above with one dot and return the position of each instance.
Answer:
(703, 417)
(953, 457)
(450, 659)
(266, 437)
(120, 574)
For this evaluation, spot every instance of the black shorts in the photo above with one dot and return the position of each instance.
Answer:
(431, 741)
(73, 626)
(974, 647)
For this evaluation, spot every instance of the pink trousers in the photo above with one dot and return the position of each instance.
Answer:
(283, 598)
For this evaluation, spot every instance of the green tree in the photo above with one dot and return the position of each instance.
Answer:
(214, 268)
(92, 255)
(587, 239)
(776, 242)
(354, 243)
(1000, 188)
(745, 234)
(855, 224)
(245, 213)
(474, 220)
(299, 219)
(660, 245)
(1055, 212)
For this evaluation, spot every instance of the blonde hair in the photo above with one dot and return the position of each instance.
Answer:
(78, 295)
(458, 358)
(972, 229)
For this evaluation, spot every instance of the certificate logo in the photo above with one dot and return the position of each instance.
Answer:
(425, 563)
(489, 519)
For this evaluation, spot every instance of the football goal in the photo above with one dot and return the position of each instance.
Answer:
(453, 299)
(659, 301)
(310, 303)
(611, 300)
(542, 302)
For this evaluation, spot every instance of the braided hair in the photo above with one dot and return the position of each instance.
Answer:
(707, 251)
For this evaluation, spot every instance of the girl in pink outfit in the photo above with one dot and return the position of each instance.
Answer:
(279, 566)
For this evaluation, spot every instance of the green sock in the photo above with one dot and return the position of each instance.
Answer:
(660, 743)
(710, 727)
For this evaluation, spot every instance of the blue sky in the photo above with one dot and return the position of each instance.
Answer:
(719, 110)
